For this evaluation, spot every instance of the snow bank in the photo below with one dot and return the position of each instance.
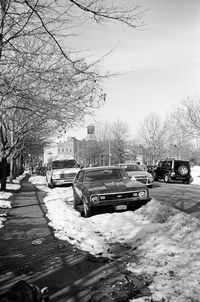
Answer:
(4, 196)
(4, 204)
(165, 242)
(195, 172)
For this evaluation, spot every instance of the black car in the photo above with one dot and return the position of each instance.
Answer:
(173, 169)
(107, 188)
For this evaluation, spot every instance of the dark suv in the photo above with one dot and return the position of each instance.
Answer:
(173, 169)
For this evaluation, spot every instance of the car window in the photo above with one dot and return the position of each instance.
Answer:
(134, 168)
(130, 168)
(80, 176)
(160, 164)
(105, 174)
(167, 164)
(61, 164)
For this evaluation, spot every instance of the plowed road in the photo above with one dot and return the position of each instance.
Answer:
(181, 196)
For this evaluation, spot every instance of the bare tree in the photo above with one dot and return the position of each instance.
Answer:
(153, 134)
(189, 115)
(103, 131)
(43, 85)
(42, 93)
(119, 135)
(55, 19)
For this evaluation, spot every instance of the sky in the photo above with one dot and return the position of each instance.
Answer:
(159, 63)
(163, 242)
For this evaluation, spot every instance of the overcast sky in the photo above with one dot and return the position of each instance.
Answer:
(161, 62)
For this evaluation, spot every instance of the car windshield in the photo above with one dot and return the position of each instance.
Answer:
(130, 168)
(105, 174)
(61, 164)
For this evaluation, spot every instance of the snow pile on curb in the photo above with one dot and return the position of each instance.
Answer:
(195, 173)
(169, 256)
(165, 240)
(4, 204)
(38, 180)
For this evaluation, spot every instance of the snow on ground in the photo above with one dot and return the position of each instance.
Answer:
(4, 196)
(166, 241)
(195, 172)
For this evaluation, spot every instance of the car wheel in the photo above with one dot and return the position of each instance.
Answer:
(167, 178)
(183, 170)
(86, 210)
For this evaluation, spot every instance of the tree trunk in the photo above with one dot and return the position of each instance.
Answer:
(11, 169)
(4, 174)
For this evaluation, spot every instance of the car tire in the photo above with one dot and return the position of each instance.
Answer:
(183, 170)
(166, 178)
(86, 210)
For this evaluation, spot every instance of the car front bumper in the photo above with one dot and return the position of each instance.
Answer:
(119, 205)
(60, 182)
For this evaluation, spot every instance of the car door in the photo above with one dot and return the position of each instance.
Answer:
(160, 169)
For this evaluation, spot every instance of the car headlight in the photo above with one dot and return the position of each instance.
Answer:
(142, 194)
(94, 198)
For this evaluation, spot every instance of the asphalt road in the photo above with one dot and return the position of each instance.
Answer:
(181, 196)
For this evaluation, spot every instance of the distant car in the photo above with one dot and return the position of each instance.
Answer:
(173, 169)
(60, 172)
(136, 172)
(108, 187)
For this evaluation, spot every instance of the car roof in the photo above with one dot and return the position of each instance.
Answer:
(100, 168)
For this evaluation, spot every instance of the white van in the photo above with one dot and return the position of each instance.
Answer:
(60, 172)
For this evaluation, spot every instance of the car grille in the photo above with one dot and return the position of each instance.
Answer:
(142, 179)
(68, 175)
(118, 196)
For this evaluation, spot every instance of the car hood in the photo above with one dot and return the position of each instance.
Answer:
(139, 173)
(65, 170)
(102, 187)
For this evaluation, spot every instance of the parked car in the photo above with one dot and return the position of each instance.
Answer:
(107, 188)
(60, 172)
(136, 172)
(173, 169)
